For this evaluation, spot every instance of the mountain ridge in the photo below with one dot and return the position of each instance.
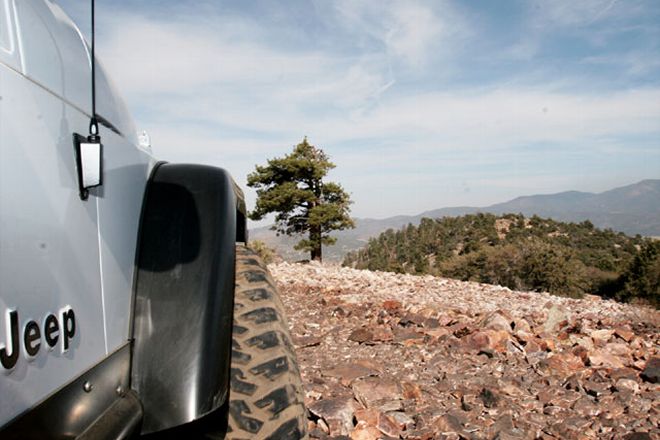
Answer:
(632, 209)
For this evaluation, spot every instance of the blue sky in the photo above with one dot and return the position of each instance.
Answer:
(421, 104)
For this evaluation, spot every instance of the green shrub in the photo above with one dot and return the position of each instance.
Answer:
(520, 253)
(267, 254)
(642, 278)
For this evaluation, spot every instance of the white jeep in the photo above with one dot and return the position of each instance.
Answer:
(129, 302)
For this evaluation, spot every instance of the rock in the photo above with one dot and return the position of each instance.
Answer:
(411, 391)
(574, 382)
(412, 320)
(349, 372)
(503, 429)
(453, 344)
(367, 415)
(313, 395)
(382, 334)
(388, 426)
(547, 344)
(403, 420)
(600, 337)
(421, 434)
(316, 433)
(624, 334)
(489, 398)
(320, 423)
(627, 385)
(374, 418)
(387, 405)
(511, 390)
(460, 330)
(585, 407)
(638, 436)
(613, 412)
(306, 341)
(596, 389)
(556, 317)
(495, 321)
(489, 353)
(552, 410)
(639, 364)
(337, 413)
(651, 370)
(600, 358)
(623, 373)
(361, 335)
(581, 352)
(571, 426)
(564, 363)
(532, 347)
(407, 336)
(521, 325)
(564, 399)
(489, 339)
(447, 423)
(392, 305)
(619, 349)
(364, 432)
(373, 392)
(436, 333)
(583, 341)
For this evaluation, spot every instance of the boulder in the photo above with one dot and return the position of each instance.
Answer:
(651, 371)
(337, 414)
(557, 317)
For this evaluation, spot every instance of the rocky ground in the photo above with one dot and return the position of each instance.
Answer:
(397, 356)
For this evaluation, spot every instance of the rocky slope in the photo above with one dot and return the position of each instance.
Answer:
(399, 356)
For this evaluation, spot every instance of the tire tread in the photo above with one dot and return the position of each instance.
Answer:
(265, 398)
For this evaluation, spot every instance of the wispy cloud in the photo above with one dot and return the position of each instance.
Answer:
(567, 13)
(416, 101)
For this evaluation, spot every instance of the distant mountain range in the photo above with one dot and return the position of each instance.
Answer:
(633, 209)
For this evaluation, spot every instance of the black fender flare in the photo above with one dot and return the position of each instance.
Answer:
(184, 289)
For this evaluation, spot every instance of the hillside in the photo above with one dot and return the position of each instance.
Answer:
(632, 209)
(521, 253)
(386, 355)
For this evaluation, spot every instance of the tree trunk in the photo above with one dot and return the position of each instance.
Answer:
(315, 239)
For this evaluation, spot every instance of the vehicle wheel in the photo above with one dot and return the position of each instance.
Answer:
(265, 397)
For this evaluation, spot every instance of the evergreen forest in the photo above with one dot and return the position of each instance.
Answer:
(538, 254)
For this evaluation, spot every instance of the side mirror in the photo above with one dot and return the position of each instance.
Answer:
(89, 163)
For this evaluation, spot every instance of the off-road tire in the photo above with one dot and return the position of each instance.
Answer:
(265, 397)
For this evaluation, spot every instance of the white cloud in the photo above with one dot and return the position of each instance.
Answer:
(410, 32)
(186, 72)
(512, 116)
(220, 91)
(152, 57)
(415, 32)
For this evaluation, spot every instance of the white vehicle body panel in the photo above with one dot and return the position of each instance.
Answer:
(126, 170)
(56, 250)
(52, 51)
(49, 256)
(8, 42)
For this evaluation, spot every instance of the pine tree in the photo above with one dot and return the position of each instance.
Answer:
(292, 186)
(642, 278)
